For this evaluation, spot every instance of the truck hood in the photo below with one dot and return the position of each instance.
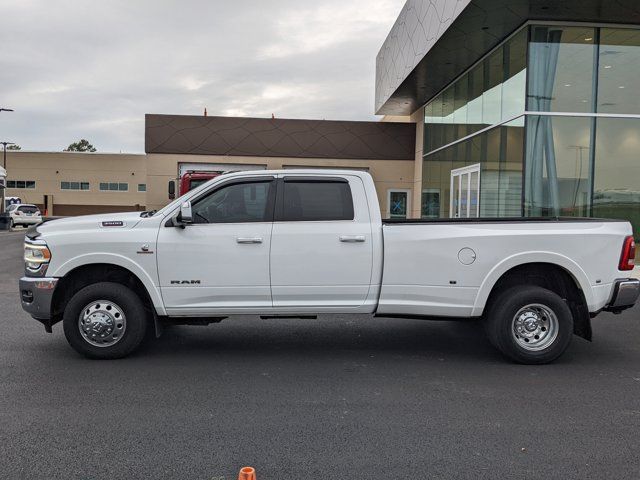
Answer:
(107, 221)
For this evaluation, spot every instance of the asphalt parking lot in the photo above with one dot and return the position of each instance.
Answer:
(334, 398)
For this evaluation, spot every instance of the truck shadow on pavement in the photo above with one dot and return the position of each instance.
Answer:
(358, 336)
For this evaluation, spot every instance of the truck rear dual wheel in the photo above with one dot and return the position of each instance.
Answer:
(529, 324)
(105, 321)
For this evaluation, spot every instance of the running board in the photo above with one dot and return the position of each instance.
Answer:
(304, 317)
(190, 320)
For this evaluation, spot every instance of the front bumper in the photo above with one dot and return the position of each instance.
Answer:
(625, 294)
(36, 295)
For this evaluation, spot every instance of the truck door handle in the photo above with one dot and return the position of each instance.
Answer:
(249, 240)
(352, 238)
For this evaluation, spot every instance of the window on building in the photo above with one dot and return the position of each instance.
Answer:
(316, 200)
(237, 203)
(430, 206)
(74, 186)
(492, 92)
(616, 188)
(113, 187)
(142, 187)
(514, 86)
(619, 61)
(499, 152)
(398, 203)
(465, 188)
(30, 184)
(561, 69)
(557, 176)
(579, 161)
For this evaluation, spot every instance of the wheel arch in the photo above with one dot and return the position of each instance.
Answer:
(116, 261)
(91, 273)
(553, 272)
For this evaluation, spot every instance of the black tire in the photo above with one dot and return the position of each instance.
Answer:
(125, 300)
(501, 319)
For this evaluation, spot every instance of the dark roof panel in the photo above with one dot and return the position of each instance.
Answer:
(266, 137)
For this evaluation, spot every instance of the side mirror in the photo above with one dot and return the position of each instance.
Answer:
(172, 189)
(186, 216)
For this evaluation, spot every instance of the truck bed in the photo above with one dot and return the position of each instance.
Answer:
(447, 267)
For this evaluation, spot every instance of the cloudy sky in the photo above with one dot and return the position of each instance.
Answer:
(92, 68)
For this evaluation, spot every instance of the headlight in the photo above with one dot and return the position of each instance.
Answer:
(36, 257)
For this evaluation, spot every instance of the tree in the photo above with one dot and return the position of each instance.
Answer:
(14, 147)
(80, 146)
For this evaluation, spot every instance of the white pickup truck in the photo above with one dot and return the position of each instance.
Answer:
(299, 243)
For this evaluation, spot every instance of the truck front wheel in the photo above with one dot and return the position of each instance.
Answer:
(529, 324)
(105, 320)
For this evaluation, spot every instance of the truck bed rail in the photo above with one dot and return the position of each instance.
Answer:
(426, 221)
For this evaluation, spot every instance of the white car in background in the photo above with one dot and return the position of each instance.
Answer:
(24, 214)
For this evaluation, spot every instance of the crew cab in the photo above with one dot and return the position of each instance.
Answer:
(299, 243)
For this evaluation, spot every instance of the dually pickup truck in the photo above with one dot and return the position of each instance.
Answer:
(299, 243)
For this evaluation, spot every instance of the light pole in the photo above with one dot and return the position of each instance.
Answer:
(4, 153)
(4, 165)
(4, 158)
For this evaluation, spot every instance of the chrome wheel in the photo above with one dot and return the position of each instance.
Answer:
(534, 327)
(102, 323)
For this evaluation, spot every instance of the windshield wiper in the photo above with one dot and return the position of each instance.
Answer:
(148, 213)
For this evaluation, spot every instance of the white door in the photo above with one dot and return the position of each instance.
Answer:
(321, 247)
(465, 192)
(220, 263)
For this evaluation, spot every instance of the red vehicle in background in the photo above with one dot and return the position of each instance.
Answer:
(190, 180)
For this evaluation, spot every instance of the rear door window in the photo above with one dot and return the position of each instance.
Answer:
(316, 200)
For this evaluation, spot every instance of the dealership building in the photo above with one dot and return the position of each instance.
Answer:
(491, 108)
(522, 108)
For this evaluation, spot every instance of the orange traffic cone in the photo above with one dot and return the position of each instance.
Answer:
(247, 473)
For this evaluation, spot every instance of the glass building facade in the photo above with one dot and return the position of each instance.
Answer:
(547, 124)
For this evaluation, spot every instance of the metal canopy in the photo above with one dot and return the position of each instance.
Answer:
(434, 41)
